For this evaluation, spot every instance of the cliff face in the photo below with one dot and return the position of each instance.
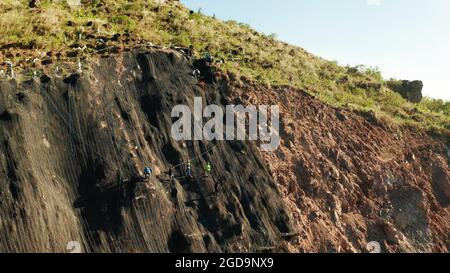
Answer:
(72, 151)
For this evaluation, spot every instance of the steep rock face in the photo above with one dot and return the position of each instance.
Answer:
(350, 179)
(72, 152)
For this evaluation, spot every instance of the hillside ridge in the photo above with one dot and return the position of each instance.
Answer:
(74, 33)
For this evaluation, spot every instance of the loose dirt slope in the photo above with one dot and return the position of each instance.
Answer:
(351, 179)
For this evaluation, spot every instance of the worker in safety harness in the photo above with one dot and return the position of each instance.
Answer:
(148, 172)
(208, 169)
(189, 170)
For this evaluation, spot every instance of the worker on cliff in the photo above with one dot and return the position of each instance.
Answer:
(148, 172)
(189, 170)
(208, 169)
(10, 70)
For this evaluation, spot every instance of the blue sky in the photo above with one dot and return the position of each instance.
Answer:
(406, 39)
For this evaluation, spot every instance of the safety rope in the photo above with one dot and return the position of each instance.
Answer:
(197, 157)
(69, 110)
(71, 129)
(59, 112)
(125, 107)
(117, 152)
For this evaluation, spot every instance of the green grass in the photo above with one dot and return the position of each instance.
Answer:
(246, 53)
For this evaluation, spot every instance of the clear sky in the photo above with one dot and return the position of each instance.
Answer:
(406, 39)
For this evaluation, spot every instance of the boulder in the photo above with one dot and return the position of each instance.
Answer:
(441, 178)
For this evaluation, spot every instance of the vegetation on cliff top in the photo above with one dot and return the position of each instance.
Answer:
(54, 29)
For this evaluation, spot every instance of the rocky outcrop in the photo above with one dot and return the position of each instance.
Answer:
(410, 90)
